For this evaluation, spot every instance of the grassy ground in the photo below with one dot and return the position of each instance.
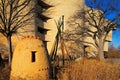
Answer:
(80, 70)
(4, 72)
(89, 70)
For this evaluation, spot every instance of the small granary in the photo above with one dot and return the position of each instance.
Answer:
(30, 60)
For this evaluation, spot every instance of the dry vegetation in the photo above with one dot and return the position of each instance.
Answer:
(89, 70)
(4, 72)
(80, 70)
(113, 52)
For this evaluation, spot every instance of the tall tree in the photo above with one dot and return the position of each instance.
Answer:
(95, 26)
(14, 14)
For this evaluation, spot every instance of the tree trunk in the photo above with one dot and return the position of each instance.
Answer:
(101, 50)
(9, 49)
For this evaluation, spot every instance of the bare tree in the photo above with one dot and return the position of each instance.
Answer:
(94, 26)
(14, 14)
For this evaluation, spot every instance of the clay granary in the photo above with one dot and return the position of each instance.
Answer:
(30, 60)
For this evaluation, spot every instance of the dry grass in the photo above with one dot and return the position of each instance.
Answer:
(81, 70)
(5, 72)
(89, 70)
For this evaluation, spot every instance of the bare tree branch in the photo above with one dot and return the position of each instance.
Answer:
(14, 14)
(95, 27)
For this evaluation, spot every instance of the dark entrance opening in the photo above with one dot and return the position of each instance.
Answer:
(33, 56)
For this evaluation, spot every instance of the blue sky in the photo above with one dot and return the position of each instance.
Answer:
(113, 10)
(116, 38)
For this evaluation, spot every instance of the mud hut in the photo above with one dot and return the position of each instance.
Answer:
(30, 60)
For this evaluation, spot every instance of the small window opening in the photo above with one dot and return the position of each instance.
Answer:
(33, 56)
